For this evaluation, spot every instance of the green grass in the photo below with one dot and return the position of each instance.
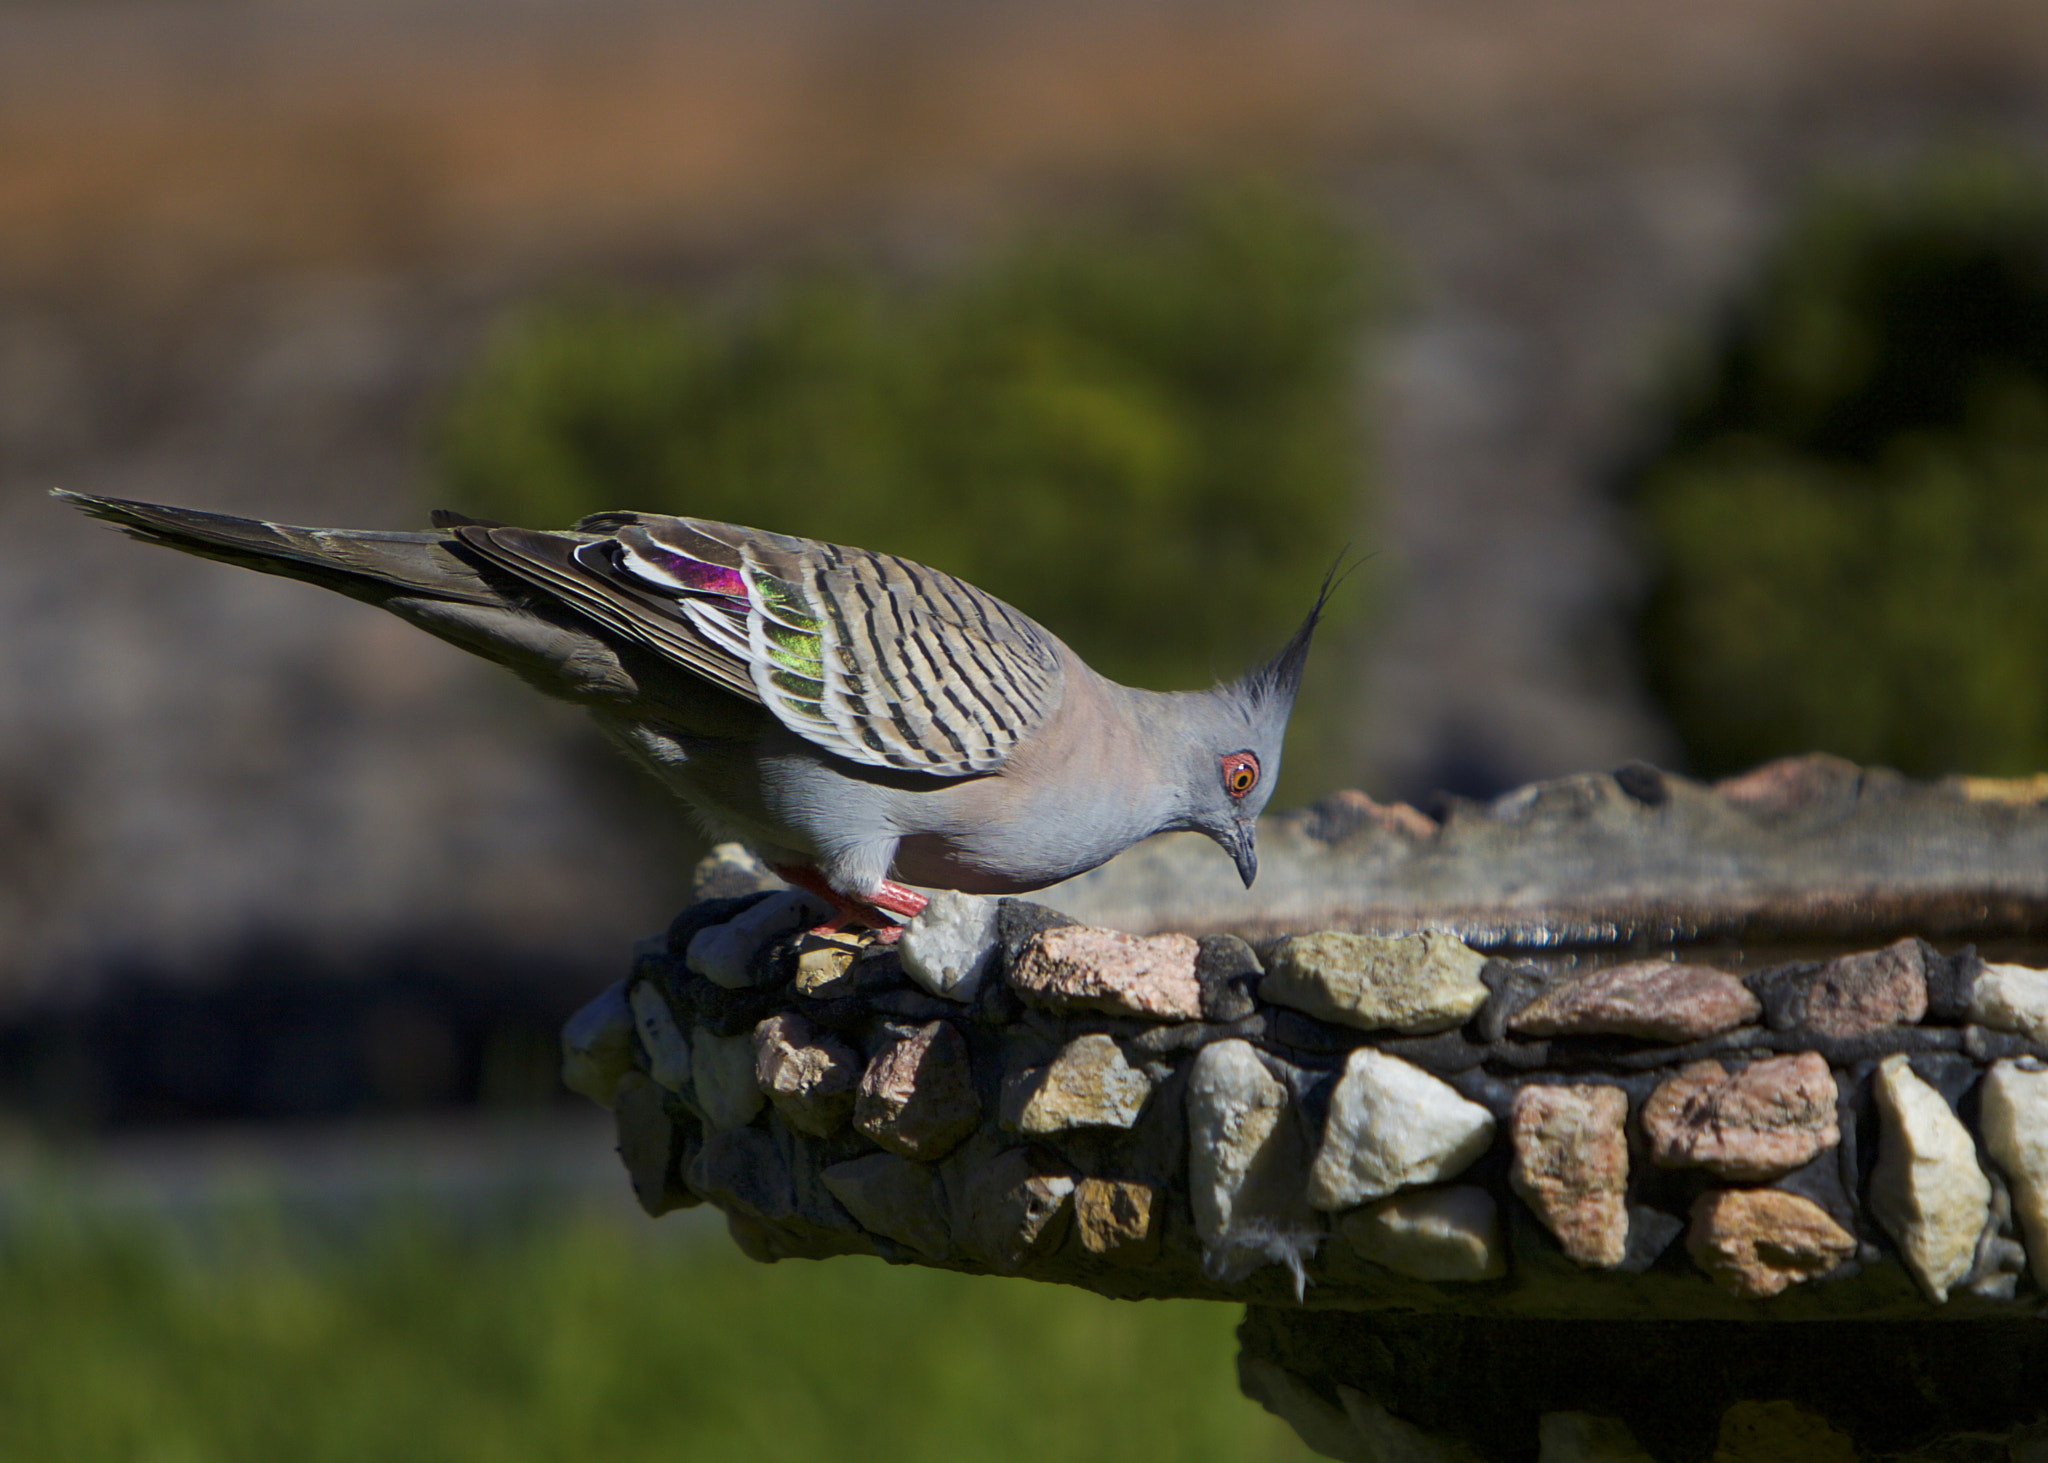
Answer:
(574, 1337)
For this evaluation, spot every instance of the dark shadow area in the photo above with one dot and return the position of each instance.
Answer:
(1891, 1385)
(291, 1033)
(1469, 764)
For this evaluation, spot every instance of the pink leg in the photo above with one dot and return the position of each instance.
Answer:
(900, 899)
(891, 899)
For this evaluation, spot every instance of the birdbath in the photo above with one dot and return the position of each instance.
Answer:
(1622, 1118)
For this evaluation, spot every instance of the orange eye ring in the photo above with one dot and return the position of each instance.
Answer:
(1240, 773)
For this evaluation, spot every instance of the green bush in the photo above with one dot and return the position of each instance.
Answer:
(559, 1339)
(1850, 513)
(1145, 437)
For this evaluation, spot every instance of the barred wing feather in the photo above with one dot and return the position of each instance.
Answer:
(920, 670)
(871, 657)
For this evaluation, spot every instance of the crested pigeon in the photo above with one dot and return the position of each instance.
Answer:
(854, 718)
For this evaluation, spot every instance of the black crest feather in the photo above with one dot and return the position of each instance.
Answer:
(1275, 683)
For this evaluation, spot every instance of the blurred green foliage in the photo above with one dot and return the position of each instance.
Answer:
(583, 1340)
(1144, 436)
(1850, 515)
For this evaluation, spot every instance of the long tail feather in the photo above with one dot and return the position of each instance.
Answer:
(426, 578)
(362, 564)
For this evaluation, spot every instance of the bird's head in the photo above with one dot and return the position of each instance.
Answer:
(1239, 729)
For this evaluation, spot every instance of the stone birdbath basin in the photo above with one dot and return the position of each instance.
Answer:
(1623, 1118)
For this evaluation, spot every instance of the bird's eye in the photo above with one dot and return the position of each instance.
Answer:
(1240, 773)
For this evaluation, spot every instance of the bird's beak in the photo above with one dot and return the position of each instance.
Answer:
(1244, 849)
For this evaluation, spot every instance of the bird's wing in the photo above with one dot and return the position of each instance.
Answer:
(871, 657)
(575, 570)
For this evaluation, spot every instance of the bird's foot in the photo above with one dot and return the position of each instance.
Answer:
(883, 913)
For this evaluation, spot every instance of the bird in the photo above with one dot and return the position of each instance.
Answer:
(863, 723)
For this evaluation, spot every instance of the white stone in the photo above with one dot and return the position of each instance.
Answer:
(1363, 1432)
(597, 1046)
(1234, 1107)
(2011, 998)
(1391, 1125)
(1324, 1429)
(1244, 1157)
(1580, 1437)
(1010, 1207)
(1385, 1438)
(647, 1144)
(668, 1055)
(1927, 1190)
(2015, 1118)
(895, 1198)
(950, 944)
(723, 1078)
(723, 953)
(729, 871)
(1431, 1234)
(2029, 1444)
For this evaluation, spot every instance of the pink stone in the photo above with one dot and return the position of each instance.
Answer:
(1343, 813)
(1571, 1166)
(917, 1096)
(1075, 968)
(1791, 782)
(1762, 1121)
(1855, 995)
(1654, 1000)
(809, 1075)
(1758, 1242)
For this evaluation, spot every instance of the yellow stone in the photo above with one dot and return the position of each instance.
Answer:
(823, 960)
(1779, 1432)
(1116, 1219)
(2010, 791)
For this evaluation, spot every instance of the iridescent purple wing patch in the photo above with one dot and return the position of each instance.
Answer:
(665, 567)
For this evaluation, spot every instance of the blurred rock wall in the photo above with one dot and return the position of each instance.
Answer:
(243, 247)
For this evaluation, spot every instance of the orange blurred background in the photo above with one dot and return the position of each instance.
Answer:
(246, 248)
